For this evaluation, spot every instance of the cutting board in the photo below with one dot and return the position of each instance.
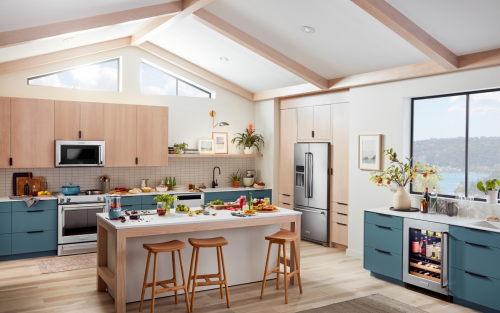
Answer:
(38, 182)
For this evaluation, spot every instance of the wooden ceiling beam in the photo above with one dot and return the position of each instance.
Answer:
(411, 32)
(158, 25)
(196, 70)
(19, 36)
(249, 42)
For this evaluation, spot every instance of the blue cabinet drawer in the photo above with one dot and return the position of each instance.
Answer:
(261, 193)
(131, 200)
(148, 200)
(384, 220)
(34, 242)
(475, 258)
(473, 288)
(384, 238)
(133, 207)
(481, 237)
(388, 264)
(5, 244)
(34, 220)
(5, 223)
(20, 206)
(5, 207)
(148, 207)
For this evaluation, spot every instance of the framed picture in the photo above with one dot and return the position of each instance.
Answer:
(221, 143)
(370, 152)
(206, 146)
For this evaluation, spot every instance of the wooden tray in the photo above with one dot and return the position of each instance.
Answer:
(223, 206)
(38, 182)
(426, 277)
(423, 267)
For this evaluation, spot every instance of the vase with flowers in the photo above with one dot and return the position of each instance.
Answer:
(248, 139)
(164, 202)
(397, 176)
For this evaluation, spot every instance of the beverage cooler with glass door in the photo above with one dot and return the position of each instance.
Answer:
(426, 255)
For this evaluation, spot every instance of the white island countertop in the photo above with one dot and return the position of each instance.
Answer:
(441, 218)
(206, 190)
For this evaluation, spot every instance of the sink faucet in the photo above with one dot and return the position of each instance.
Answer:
(214, 181)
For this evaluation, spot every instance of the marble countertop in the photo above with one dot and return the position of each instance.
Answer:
(177, 219)
(443, 219)
(7, 199)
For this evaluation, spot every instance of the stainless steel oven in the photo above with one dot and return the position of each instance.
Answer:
(77, 153)
(426, 255)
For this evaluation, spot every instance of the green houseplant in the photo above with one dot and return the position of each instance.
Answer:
(164, 202)
(181, 147)
(235, 178)
(248, 139)
(489, 188)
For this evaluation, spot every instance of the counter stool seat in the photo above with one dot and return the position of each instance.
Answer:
(283, 236)
(155, 248)
(216, 242)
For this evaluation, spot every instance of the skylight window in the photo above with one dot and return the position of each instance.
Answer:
(161, 82)
(98, 76)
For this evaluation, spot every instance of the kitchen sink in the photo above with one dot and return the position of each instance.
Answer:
(486, 224)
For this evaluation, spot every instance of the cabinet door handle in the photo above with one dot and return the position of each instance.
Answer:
(382, 251)
(341, 213)
(124, 205)
(313, 133)
(382, 214)
(385, 227)
(475, 244)
(476, 274)
(136, 160)
(32, 232)
(341, 203)
(284, 194)
(34, 211)
(342, 224)
(80, 134)
(10, 161)
(286, 203)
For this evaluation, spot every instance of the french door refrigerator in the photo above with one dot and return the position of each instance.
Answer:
(311, 190)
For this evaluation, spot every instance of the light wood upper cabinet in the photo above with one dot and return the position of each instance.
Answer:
(120, 134)
(92, 121)
(340, 154)
(67, 120)
(305, 123)
(152, 135)
(4, 132)
(314, 123)
(288, 137)
(32, 133)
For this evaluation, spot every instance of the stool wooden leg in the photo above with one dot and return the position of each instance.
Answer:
(279, 267)
(285, 271)
(175, 276)
(265, 271)
(225, 276)
(153, 288)
(194, 278)
(220, 272)
(145, 281)
(186, 292)
(297, 265)
(191, 268)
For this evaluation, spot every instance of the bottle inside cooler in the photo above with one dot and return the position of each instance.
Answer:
(425, 254)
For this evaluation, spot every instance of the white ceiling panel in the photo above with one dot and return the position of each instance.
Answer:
(347, 40)
(17, 14)
(463, 26)
(80, 39)
(203, 46)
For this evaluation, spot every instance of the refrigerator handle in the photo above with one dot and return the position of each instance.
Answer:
(446, 262)
(306, 178)
(311, 176)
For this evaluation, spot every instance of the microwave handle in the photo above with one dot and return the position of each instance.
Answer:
(100, 154)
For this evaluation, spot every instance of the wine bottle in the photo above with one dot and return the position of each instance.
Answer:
(424, 244)
(415, 248)
(26, 189)
(434, 251)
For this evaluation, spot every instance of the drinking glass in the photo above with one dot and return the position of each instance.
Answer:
(470, 205)
(461, 204)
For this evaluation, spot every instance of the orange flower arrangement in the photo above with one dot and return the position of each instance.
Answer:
(248, 138)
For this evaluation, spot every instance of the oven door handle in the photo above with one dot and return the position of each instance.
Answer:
(75, 208)
(445, 262)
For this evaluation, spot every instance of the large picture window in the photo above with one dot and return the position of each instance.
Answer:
(460, 134)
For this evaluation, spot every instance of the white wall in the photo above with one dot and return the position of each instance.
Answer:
(189, 117)
(379, 109)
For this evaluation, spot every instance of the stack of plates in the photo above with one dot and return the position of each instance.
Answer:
(180, 188)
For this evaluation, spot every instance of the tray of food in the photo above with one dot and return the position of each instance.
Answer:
(221, 205)
(265, 208)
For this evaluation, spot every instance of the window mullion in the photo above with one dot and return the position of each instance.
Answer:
(467, 145)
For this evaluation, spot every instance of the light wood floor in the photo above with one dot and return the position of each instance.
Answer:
(328, 276)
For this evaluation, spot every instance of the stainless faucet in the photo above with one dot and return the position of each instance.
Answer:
(214, 181)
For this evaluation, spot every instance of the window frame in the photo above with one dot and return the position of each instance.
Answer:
(467, 98)
(118, 68)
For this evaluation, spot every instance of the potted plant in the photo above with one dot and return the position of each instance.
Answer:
(398, 175)
(180, 148)
(248, 139)
(489, 189)
(163, 203)
(235, 178)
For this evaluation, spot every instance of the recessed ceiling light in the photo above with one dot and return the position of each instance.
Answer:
(307, 29)
(224, 59)
(69, 39)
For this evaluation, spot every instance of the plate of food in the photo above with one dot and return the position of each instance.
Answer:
(248, 212)
(266, 208)
(259, 185)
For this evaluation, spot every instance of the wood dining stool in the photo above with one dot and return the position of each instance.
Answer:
(217, 242)
(155, 248)
(281, 238)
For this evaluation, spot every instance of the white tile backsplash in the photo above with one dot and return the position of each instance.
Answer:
(185, 170)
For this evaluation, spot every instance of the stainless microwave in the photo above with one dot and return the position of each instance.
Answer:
(77, 153)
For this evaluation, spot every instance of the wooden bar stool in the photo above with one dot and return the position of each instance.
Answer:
(217, 242)
(281, 238)
(155, 248)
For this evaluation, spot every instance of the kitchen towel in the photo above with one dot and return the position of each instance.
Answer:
(29, 201)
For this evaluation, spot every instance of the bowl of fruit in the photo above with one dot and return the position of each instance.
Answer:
(44, 194)
(182, 209)
(259, 185)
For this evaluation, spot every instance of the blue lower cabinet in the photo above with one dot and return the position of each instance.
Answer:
(34, 241)
(20, 206)
(262, 194)
(472, 257)
(384, 238)
(472, 287)
(477, 236)
(148, 207)
(384, 220)
(148, 200)
(5, 207)
(132, 207)
(131, 200)
(5, 244)
(5, 223)
(385, 263)
(34, 220)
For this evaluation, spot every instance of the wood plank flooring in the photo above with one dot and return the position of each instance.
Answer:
(328, 276)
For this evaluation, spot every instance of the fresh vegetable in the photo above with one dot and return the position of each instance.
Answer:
(182, 207)
(217, 202)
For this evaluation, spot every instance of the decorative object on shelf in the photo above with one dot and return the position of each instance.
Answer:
(163, 203)
(180, 148)
(369, 152)
(206, 146)
(221, 124)
(398, 175)
(221, 142)
(409, 210)
(248, 139)
(488, 187)
(235, 178)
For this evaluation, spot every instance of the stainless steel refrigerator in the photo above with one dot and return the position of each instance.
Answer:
(311, 190)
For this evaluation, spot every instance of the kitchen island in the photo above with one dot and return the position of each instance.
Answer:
(121, 259)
